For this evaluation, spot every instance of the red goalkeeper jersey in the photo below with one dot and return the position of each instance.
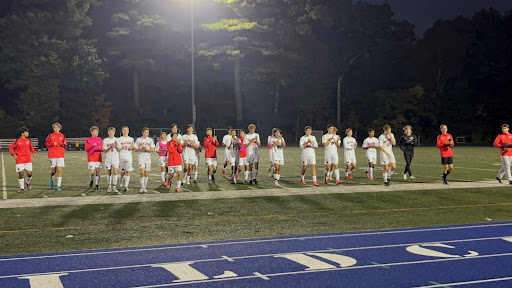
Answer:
(55, 143)
(210, 147)
(446, 150)
(22, 148)
(500, 142)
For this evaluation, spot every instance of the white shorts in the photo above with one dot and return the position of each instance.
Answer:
(384, 160)
(232, 161)
(162, 161)
(211, 161)
(278, 161)
(145, 164)
(126, 165)
(112, 163)
(308, 160)
(350, 157)
(174, 169)
(371, 158)
(253, 158)
(242, 162)
(187, 159)
(24, 166)
(93, 165)
(56, 162)
(226, 155)
(270, 156)
(331, 159)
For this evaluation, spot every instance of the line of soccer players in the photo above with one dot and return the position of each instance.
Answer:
(180, 153)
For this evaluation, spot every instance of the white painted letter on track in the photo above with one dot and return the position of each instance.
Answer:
(315, 264)
(419, 250)
(183, 271)
(45, 281)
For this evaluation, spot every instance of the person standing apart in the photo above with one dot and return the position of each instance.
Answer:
(407, 143)
(504, 142)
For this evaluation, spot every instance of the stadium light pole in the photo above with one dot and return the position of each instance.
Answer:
(192, 62)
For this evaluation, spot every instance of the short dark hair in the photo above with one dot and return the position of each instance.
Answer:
(505, 126)
(329, 126)
(208, 129)
(190, 125)
(308, 127)
(230, 128)
(163, 132)
(174, 125)
(386, 127)
(173, 133)
(22, 130)
(371, 130)
(276, 130)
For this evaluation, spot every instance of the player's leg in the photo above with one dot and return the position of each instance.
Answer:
(178, 183)
(352, 167)
(303, 172)
(347, 170)
(28, 169)
(109, 179)
(277, 174)
(170, 175)
(21, 177)
(508, 160)
(141, 170)
(59, 176)
(146, 177)
(392, 167)
(313, 173)
(326, 170)
(91, 175)
(255, 169)
(163, 169)
(385, 174)
(97, 172)
(336, 172)
(115, 171)
(53, 172)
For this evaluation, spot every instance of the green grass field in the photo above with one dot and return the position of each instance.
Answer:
(33, 230)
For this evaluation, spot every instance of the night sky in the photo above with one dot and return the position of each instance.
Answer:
(423, 13)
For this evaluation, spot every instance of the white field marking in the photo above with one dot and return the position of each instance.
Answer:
(260, 256)
(331, 269)
(76, 157)
(4, 180)
(204, 246)
(227, 258)
(261, 276)
(468, 282)
(249, 241)
(457, 167)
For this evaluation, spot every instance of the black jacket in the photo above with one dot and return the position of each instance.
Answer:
(407, 143)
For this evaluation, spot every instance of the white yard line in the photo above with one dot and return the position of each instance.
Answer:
(4, 180)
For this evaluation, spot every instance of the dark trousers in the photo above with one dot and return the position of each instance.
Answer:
(408, 159)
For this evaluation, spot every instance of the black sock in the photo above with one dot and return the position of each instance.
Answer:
(444, 176)
(448, 172)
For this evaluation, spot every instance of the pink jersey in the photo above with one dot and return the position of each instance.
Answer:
(243, 150)
(269, 140)
(162, 148)
(94, 147)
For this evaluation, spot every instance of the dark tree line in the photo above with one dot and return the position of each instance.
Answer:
(286, 63)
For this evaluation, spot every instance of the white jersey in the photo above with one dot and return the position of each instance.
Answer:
(277, 151)
(144, 143)
(226, 141)
(369, 143)
(233, 151)
(169, 138)
(332, 148)
(385, 142)
(124, 143)
(253, 148)
(349, 144)
(308, 149)
(189, 152)
(110, 146)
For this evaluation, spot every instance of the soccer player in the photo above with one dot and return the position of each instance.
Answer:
(308, 144)
(226, 140)
(161, 149)
(242, 157)
(111, 149)
(504, 142)
(191, 143)
(407, 142)
(174, 151)
(252, 142)
(371, 144)
(331, 142)
(94, 147)
(387, 157)
(210, 153)
(270, 153)
(349, 147)
(174, 129)
(20, 149)
(445, 144)
(195, 165)
(144, 145)
(277, 142)
(125, 146)
(56, 143)
(233, 150)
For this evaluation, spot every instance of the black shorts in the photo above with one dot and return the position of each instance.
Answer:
(446, 160)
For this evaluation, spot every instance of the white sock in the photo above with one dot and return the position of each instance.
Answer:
(390, 173)
(254, 174)
(302, 177)
(337, 174)
(141, 182)
(314, 178)
(246, 175)
(185, 177)
(209, 177)
(188, 179)
(385, 176)
(28, 179)
(109, 178)
(22, 183)
(52, 176)
(195, 176)
(346, 174)
(163, 176)
(278, 177)
(178, 184)
(326, 174)
(97, 180)
(114, 180)
(126, 181)
(371, 172)
(91, 177)
(59, 181)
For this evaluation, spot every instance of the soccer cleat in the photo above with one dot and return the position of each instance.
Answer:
(126, 189)
(213, 178)
(302, 182)
(195, 181)
(168, 184)
(315, 183)
(445, 182)
(90, 184)
(389, 179)
(59, 189)
(325, 180)
(141, 191)
(29, 186)
(250, 182)
(97, 187)
(350, 176)
(114, 189)
(145, 190)
(367, 174)
(371, 178)
(386, 183)
(178, 190)
(412, 177)
(236, 177)
(163, 182)
(499, 179)
(121, 183)
(510, 182)
(276, 184)
(21, 191)
(223, 173)
(109, 190)
(338, 182)
(255, 182)
(246, 181)
(50, 184)
(329, 178)
(405, 176)
(188, 182)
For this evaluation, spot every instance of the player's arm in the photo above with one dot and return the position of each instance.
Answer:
(392, 138)
(87, 146)
(48, 142)
(32, 150)
(327, 141)
(179, 148)
(302, 143)
(12, 149)
(136, 146)
(258, 140)
(338, 142)
(216, 142)
(315, 143)
(440, 143)
(283, 142)
(100, 149)
(151, 147)
(105, 147)
(64, 141)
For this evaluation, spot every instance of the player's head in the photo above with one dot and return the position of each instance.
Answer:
(443, 128)
(251, 128)
(209, 131)
(23, 131)
(233, 133)
(174, 128)
(163, 136)
(386, 129)
(308, 130)
(348, 132)
(274, 130)
(56, 127)
(277, 132)
(371, 132)
(145, 132)
(174, 136)
(330, 129)
(190, 129)
(94, 131)
(111, 131)
(125, 130)
(504, 128)
(229, 129)
(407, 129)
(242, 133)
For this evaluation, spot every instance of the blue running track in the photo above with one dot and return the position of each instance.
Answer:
(477, 255)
